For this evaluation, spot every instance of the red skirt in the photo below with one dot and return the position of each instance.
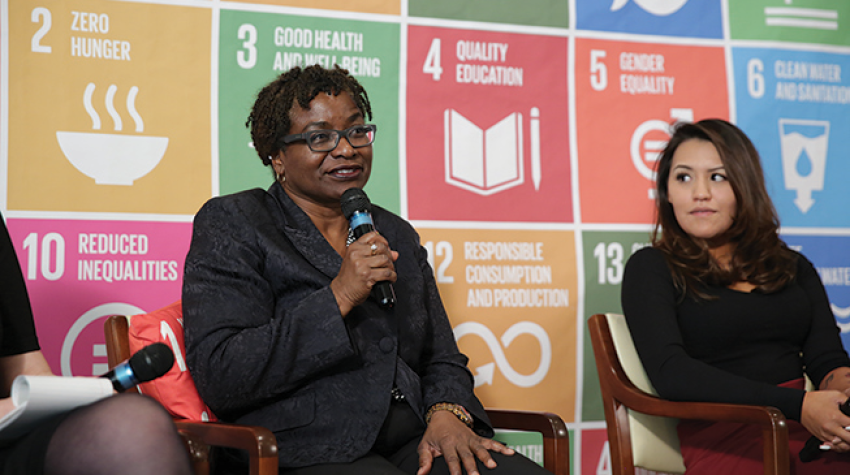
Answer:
(710, 448)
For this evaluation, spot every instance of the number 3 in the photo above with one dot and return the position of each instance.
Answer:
(248, 58)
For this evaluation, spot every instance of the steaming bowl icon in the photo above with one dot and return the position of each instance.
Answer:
(112, 159)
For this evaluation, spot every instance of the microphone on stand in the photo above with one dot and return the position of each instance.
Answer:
(358, 211)
(147, 364)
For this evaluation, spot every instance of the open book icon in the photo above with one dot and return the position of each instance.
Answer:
(484, 162)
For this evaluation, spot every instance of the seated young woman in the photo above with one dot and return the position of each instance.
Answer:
(721, 310)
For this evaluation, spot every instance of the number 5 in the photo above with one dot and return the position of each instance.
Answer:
(598, 71)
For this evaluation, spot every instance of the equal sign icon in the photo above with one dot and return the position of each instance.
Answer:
(801, 17)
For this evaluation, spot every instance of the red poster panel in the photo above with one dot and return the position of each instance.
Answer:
(487, 126)
(595, 456)
(627, 95)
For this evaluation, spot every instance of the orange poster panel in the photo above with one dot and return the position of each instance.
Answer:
(627, 95)
(109, 107)
(386, 7)
(511, 296)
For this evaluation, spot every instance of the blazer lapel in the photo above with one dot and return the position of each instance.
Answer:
(304, 236)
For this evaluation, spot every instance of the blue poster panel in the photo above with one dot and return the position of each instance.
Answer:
(831, 257)
(688, 18)
(795, 106)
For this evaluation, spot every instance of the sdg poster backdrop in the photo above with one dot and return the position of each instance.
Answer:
(519, 137)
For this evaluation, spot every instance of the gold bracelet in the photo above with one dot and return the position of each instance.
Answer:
(459, 411)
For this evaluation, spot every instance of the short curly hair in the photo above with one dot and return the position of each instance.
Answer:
(269, 120)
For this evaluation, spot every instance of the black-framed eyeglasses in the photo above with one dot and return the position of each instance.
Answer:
(325, 140)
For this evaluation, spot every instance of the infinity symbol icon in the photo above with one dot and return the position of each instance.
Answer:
(484, 373)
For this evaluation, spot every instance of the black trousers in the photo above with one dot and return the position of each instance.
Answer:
(395, 453)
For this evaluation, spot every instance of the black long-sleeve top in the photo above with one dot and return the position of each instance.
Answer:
(17, 330)
(735, 348)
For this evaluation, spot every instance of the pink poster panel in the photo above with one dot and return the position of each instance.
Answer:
(79, 272)
(627, 95)
(487, 126)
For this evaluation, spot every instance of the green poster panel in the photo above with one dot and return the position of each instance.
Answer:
(529, 444)
(605, 257)
(804, 21)
(553, 13)
(256, 47)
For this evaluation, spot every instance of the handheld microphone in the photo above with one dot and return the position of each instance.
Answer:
(147, 364)
(812, 450)
(358, 211)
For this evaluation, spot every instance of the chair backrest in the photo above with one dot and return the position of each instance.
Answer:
(116, 328)
(177, 393)
(175, 390)
(650, 442)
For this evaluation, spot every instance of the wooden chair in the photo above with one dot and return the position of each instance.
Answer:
(262, 446)
(642, 426)
(556, 441)
(259, 442)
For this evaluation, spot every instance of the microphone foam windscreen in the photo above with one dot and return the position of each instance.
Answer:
(354, 199)
(152, 362)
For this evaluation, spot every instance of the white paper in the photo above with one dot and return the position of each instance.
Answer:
(39, 397)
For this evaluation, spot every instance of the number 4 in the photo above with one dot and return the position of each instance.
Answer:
(432, 60)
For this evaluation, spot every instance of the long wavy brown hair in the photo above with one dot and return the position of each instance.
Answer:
(758, 256)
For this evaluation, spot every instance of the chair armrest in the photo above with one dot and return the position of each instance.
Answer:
(259, 442)
(199, 452)
(546, 423)
(771, 420)
(556, 438)
(637, 400)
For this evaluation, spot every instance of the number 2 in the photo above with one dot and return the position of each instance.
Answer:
(443, 249)
(37, 14)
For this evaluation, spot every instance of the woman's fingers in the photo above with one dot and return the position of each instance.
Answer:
(367, 261)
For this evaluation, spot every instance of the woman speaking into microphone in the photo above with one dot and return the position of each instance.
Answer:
(281, 330)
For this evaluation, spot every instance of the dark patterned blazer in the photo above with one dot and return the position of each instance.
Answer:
(266, 344)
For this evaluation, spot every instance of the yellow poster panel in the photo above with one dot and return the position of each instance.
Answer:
(109, 107)
(511, 296)
(386, 7)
